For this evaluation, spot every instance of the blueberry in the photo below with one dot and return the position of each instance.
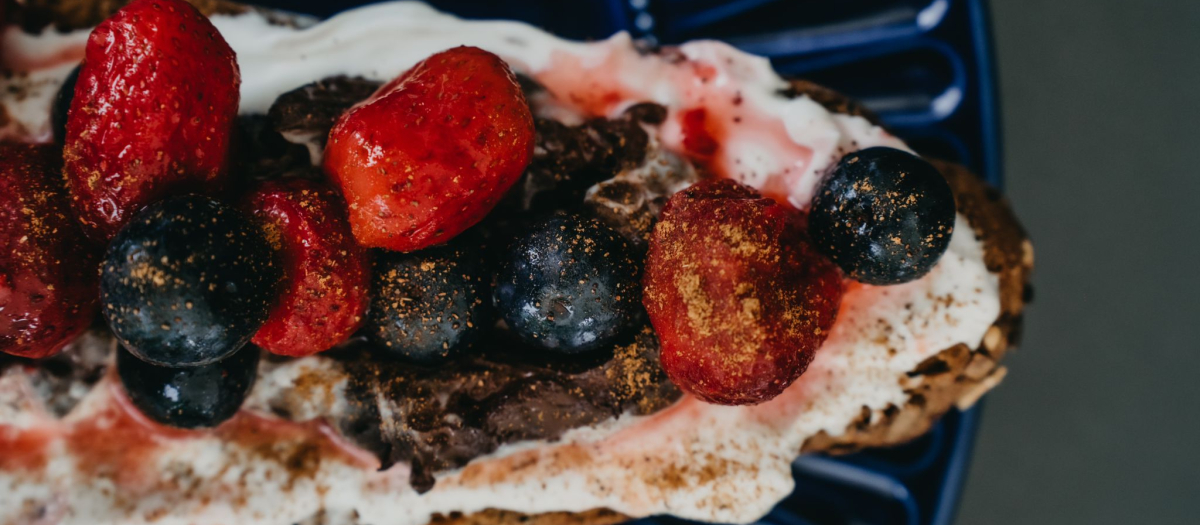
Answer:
(569, 284)
(429, 305)
(195, 397)
(62, 104)
(883, 215)
(187, 282)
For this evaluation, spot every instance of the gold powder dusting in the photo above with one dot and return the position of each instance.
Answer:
(273, 234)
(702, 287)
(747, 244)
(697, 302)
(634, 370)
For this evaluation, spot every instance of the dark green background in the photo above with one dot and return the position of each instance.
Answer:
(1099, 419)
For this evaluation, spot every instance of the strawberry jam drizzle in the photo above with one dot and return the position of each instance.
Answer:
(26, 449)
(697, 139)
(709, 119)
(115, 441)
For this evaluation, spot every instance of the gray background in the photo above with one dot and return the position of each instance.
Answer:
(1098, 420)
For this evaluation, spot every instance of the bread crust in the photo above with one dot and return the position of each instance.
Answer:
(505, 517)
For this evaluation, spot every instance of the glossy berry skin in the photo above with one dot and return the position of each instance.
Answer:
(430, 305)
(62, 105)
(883, 215)
(433, 151)
(152, 114)
(739, 299)
(187, 282)
(326, 275)
(195, 397)
(569, 284)
(47, 269)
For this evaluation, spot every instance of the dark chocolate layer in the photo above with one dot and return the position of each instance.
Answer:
(440, 418)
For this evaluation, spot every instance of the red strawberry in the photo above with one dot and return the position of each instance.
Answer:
(433, 151)
(326, 274)
(739, 298)
(48, 274)
(153, 111)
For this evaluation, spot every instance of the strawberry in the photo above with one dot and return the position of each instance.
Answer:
(47, 271)
(433, 151)
(738, 297)
(152, 114)
(323, 295)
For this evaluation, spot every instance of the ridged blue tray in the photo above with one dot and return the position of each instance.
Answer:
(925, 66)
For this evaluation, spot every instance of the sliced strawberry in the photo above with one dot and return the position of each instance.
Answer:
(153, 111)
(48, 272)
(433, 151)
(738, 297)
(323, 295)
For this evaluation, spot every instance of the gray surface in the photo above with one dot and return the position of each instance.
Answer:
(1097, 422)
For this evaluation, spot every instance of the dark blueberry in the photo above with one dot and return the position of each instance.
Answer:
(62, 104)
(187, 282)
(195, 397)
(428, 305)
(570, 284)
(883, 215)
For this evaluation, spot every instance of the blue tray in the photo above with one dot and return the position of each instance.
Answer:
(925, 67)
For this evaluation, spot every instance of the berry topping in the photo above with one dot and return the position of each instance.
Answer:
(739, 298)
(187, 282)
(323, 296)
(152, 114)
(883, 215)
(195, 397)
(433, 151)
(62, 105)
(569, 284)
(428, 305)
(47, 271)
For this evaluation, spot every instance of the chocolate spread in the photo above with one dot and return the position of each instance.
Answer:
(439, 418)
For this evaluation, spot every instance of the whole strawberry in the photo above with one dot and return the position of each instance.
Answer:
(47, 272)
(433, 151)
(152, 114)
(738, 297)
(326, 275)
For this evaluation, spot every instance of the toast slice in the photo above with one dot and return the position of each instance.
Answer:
(625, 465)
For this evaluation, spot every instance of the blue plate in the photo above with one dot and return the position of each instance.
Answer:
(925, 66)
